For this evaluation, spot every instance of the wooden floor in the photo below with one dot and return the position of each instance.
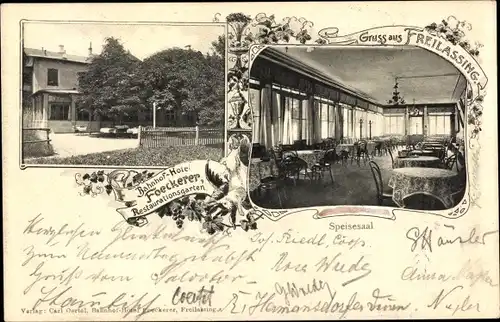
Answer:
(353, 185)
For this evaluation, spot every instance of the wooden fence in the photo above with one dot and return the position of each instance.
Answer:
(150, 137)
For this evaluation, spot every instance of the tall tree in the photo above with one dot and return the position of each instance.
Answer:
(186, 81)
(219, 46)
(110, 85)
(213, 90)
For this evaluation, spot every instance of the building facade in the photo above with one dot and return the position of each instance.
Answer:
(50, 91)
(50, 88)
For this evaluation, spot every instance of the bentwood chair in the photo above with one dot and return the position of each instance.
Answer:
(325, 164)
(356, 153)
(276, 159)
(289, 170)
(392, 158)
(460, 162)
(363, 151)
(287, 154)
(450, 162)
(442, 153)
(273, 182)
(291, 166)
(307, 173)
(384, 195)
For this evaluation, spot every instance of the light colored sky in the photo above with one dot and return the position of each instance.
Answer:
(347, 16)
(142, 40)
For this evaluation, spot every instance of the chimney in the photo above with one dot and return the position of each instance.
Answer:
(61, 49)
(90, 49)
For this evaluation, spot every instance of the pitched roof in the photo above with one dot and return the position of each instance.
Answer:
(55, 55)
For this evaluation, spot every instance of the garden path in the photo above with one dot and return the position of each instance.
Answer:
(67, 145)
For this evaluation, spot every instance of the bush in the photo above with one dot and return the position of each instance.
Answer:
(142, 157)
(39, 149)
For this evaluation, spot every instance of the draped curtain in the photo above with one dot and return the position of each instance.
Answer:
(282, 116)
(276, 122)
(287, 122)
(265, 136)
(331, 120)
(276, 125)
(339, 123)
(254, 96)
(317, 120)
(307, 121)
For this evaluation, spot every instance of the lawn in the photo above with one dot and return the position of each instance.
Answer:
(142, 157)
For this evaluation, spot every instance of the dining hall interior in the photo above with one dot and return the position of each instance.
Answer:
(356, 126)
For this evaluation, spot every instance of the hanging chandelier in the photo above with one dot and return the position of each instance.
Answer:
(415, 111)
(397, 99)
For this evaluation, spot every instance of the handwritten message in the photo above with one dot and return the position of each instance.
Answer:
(84, 269)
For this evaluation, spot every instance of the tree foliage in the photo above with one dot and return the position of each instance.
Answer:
(219, 46)
(184, 80)
(110, 86)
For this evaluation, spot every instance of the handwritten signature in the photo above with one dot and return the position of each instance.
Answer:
(454, 301)
(268, 302)
(124, 302)
(202, 296)
(291, 290)
(424, 239)
(471, 272)
(336, 264)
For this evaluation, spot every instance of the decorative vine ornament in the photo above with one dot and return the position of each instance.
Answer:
(454, 31)
(244, 32)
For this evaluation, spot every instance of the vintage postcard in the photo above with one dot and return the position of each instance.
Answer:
(241, 161)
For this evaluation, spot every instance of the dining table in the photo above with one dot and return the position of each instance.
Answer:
(344, 147)
(417, 161)
(259, 170)
(311, 157)
(423, 152)
(437, 182)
